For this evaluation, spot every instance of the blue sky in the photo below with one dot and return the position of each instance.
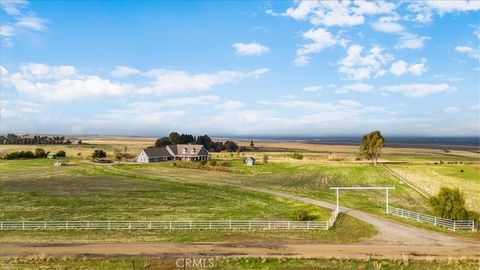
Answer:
(300, 68)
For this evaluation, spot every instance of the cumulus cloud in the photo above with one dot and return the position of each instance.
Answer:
(416, 90)
(388, 24)
(320, 39)
(356, 87)
(168, 81)
(411, 41)
(424, 10)
(401, 67)
(336, 13)
(123, 71)
(469, 51)
(359, 66)
(32, 22)
(250, 49)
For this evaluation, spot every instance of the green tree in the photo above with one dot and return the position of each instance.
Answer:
(164, 141)
(371, 146)
(450, 203)
(99, 154)
(174, 137)
(40, 153)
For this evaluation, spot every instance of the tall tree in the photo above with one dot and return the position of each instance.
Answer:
(174, 137)
(371, 146)
(450, 203)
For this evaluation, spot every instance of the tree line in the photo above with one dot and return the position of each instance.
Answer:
(211, 146)
(39, 153)
(36, 139)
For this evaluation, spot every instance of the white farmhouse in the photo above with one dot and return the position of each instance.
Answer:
(186, 152)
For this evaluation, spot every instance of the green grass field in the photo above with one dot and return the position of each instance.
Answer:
(35, 262)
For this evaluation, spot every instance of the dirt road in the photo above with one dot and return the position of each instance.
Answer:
(232, 250)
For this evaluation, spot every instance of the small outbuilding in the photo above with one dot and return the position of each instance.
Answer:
(250, 161)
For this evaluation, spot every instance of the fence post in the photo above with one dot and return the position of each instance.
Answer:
(66, 225)
(1, 225)
(170, 225)
(190, 224)
(45, 225)
(308, 225)
(418, 216)
(454, 225)
(435, 220)
(150, 225)
(250, 225)
(269, 225)
(109, 225)
(289, 227)
(129, 224)
(210, 224)
(88, 224)
(23, 225)
(473, 225)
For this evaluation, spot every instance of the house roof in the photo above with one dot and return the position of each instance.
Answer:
(157, 152)
(188, 149)
(191, 150)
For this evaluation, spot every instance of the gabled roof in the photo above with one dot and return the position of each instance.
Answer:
(153, 152)
(191, 149)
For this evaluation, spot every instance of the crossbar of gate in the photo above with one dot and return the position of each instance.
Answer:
(170, 225)
(433, 220)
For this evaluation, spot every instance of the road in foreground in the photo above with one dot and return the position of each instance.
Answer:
(362, 251)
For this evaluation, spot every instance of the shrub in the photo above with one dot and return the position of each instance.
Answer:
(203, 162)
(99, 154)
(20, 155)
(297, 156)
(40, 153)
(301, 214)
(265, 158)
(212, 162)
(61, 153)
(450, 203)
(174, 164)
(335, 157)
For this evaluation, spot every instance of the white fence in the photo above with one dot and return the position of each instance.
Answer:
(169, 225)
(433, 220)
(332, 219)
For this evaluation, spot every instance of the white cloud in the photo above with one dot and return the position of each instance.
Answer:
(401, 67)
(61, 83)
(424, 10)
(389, 25)
(336, 13)
(44, 72)
(123, 71)
(314, 88)
(469, 51)
(411, 41)
(13, 7)
(320, 40)
(451, 109)
(7, 31)
(301, 61)
(230, 105)
(360, 67)
(251, 49)
(167, 81)
(356, 87)
(32, 22)
(417, 89)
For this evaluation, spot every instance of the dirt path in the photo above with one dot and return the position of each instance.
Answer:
(232, 250)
